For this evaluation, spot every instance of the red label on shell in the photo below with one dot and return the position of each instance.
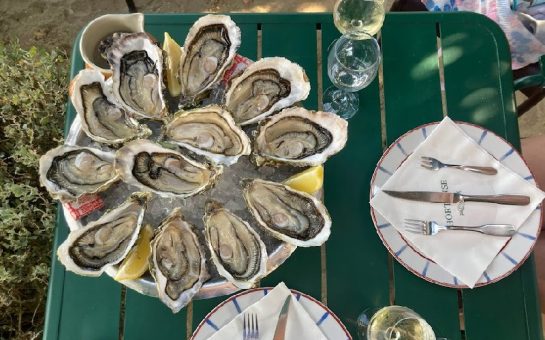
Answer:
(85, 205)
(237, 67)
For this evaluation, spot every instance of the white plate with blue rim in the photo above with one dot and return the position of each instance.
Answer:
(510, 257)
(226, 311)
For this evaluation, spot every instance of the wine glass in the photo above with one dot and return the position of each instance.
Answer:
(352, 64)
(359, 17)
(394, 323)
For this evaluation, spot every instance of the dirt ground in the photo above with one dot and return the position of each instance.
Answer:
(56, 23)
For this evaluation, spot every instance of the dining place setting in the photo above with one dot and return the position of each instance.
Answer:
(451, 201)
(212, 172)
(461, 203)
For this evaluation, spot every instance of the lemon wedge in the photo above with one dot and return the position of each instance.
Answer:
(136, 262)
(309, 181)
(173, 53)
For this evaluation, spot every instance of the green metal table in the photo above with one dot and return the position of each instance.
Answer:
(353, 270)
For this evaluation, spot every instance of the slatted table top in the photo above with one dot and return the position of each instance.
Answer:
(353, 270)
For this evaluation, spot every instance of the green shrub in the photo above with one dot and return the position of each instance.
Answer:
(33, 93)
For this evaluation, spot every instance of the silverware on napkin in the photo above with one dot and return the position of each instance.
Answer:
(250, 327)
(432, 228)
(435, 164)
(280, 331)
(449, 197)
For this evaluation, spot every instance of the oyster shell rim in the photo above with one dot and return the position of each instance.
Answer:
(62, 194)
(114, 59)
(123, 168)
(241, 284)
(318, 240)
(187, 295)
(223, 113)
(77, 82)
(296, 73)
(327, 120)
(235, 36)
(63, 249)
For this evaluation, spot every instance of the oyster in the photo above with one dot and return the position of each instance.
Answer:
(300, 137)
(211, 132)
(68, 172)
(165, 172)
(137, 71)
(101, 119)
(177, 261)
(209, 49)
(237, 250)
(266, 86)
(106, 241)
(289, 215)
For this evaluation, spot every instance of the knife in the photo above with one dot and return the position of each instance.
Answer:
(449, 197)
(280, 331)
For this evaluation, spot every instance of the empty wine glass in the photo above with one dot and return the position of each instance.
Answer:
(352, 64)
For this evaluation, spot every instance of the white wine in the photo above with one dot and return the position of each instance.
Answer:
(359, 17)
(398, 323)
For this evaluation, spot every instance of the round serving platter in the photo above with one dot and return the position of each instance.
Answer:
(227, 191)
(515, 251)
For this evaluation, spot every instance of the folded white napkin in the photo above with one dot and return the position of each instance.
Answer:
(299, 324)
(464, 254)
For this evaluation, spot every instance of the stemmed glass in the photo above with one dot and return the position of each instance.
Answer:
(354, 58)
(359, 16)
(352, 64)
(393, 323)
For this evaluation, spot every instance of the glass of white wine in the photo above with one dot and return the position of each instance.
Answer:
(394, 323)
(352, 64)
(359, 17)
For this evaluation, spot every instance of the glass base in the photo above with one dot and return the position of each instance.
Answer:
(363, 322)
(340, 102)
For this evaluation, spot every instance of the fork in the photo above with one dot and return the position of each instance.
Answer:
(435, 164)
(250, 327)
(432, 228)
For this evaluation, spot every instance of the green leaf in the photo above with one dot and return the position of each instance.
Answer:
(33, 96)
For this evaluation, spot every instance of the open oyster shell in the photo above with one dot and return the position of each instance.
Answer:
(106, 241)
(101, 118)
(177, 261)
(68, 172)
(266, 86)
(236, 249)
(289, 215)
(300, 137)
(209, 49)
(209, 131)
(150, 167)
(137, 66)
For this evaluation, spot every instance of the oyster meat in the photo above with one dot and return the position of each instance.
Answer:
(101, 119)
(266, 86)
(209, 49)
(289, 215)
(68, 172)
(165, 172)
(137, 71)
(237, 250)
(300, 137)
(177, 261)
(106, 241)
(211, 132)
